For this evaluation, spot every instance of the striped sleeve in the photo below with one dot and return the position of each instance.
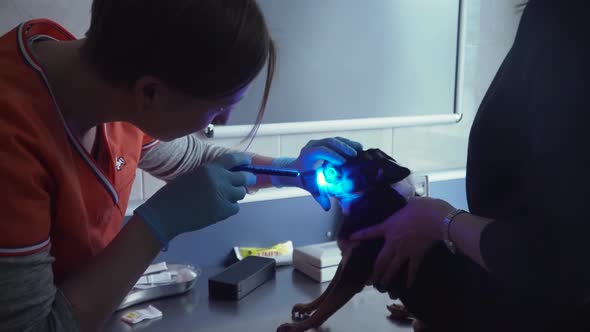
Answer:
(167, 160)
(148, 143)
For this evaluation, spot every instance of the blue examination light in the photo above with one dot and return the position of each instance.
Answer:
(321, 180)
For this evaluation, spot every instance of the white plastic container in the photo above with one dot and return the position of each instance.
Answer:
(318, 261)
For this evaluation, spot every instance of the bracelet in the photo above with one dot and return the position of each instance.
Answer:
(446, 228)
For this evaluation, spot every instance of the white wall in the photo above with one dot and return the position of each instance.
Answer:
(74, 15)
(490, 27)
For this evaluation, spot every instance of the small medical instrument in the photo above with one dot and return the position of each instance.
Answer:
(267, 170)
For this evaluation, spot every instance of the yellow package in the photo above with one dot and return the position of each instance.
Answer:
(282, 253)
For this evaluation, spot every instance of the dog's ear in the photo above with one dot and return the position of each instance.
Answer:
(391, 171)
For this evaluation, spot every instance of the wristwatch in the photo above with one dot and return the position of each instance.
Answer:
(446, 225)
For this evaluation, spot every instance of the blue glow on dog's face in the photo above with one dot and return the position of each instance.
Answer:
(332, 175)
(331, 182)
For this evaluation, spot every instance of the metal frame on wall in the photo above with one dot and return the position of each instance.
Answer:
(287, 128)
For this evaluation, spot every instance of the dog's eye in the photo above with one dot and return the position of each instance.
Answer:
(332, 174)
(332, 181)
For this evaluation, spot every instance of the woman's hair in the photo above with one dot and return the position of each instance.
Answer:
(204, 48)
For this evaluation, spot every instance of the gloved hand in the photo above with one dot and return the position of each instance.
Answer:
(197, 199)
(335, 150)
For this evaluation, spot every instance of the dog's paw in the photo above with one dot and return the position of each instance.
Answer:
(301, 311)
(291, 327)
(399, 312)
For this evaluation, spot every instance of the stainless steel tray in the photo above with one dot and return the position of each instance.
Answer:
(183, 280)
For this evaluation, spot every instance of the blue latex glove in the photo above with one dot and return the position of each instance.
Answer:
(197, 199)
(335, 150)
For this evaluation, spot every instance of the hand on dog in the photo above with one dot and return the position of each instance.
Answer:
(409, 234)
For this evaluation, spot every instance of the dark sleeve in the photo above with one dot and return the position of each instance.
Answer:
(543, 248)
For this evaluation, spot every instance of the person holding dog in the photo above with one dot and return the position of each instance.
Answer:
(518, 260)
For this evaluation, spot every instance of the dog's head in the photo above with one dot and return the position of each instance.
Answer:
(370, 169)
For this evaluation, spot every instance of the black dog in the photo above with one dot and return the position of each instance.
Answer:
(380, 187)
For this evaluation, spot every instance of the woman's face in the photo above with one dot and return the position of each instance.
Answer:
(173, 114)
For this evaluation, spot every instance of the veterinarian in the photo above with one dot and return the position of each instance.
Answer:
(519, 260)
(78, 117)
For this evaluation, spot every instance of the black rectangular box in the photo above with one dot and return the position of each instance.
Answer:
(241, 278)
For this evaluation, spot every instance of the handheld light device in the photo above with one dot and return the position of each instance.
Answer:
(255, 169)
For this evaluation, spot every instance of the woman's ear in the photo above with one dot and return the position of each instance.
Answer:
(146, 91)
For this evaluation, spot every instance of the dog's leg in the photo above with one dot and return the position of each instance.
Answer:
(399, 312)
(337, 298)
(338, 293)
(302, 311)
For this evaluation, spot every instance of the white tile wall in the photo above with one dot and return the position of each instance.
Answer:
(425, 149)
(151, 185)
(264, 145)
(137, 188)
